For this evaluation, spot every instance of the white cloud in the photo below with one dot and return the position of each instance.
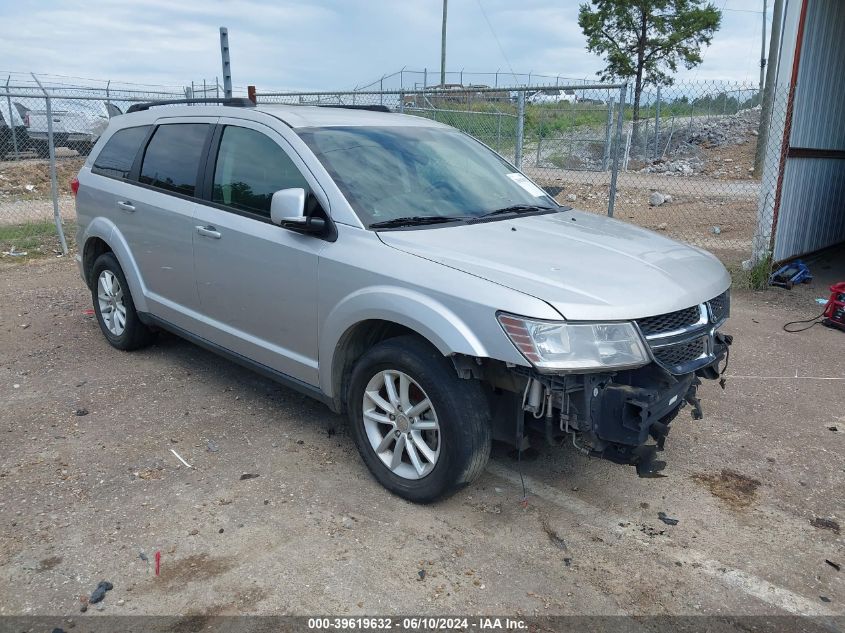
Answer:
(323, 43)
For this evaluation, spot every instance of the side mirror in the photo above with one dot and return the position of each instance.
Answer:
(287, 209)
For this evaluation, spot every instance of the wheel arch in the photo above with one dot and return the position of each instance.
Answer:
(102, 236)
(353, 343)
(373, 315)
(94, 247)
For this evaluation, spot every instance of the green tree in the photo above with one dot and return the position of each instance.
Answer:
(647, 39)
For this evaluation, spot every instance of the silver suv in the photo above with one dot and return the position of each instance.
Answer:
(402, 272)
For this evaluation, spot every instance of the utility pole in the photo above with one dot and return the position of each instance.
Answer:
(443, 48)
(763, 51)
(769, 89)
(227, 66)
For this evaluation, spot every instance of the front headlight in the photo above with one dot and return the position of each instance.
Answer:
(572, 346)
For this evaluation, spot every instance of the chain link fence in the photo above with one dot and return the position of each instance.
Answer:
(683, 165)
(48, 126)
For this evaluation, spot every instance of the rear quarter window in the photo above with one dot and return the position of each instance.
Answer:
(172, 158)
(116, 158)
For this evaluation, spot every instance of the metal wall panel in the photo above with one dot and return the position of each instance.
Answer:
(812, 203)
(812, 211)
(819, 115)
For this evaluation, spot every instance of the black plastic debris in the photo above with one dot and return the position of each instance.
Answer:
(249, 476)
(833, 428)
(836, 566)
(100, 592)
(667, 520)
(80, 412)
(421, 574)
(824, 598)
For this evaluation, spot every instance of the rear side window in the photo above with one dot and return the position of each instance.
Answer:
(250, 168)
(117, 156)
(173, 156)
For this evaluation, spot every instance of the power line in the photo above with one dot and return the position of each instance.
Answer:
(498, 43)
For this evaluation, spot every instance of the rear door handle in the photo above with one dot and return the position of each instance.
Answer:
(126, 205)
(209, 231)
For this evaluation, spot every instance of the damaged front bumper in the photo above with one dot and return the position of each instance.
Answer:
(623, 416)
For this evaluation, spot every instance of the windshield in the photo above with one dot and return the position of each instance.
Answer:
(388, 173)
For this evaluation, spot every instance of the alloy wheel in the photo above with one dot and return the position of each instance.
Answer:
(111, 304)
(401, 424)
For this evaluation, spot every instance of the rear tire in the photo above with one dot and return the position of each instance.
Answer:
(442, 447)
(114, 307)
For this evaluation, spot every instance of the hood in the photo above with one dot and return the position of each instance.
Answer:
(588, 267)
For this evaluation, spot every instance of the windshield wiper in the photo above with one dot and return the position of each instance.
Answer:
(416, 220)
(516, 209)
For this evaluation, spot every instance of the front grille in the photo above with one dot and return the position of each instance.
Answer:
(679, 355)
(720, 306)
(680, 341)
(670, 322)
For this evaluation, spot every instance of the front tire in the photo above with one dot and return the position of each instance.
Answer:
(114, 307)
(423, 432)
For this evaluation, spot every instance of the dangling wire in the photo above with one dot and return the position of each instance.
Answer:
(520, 433)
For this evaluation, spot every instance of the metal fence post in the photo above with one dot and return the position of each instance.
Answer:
(12, 119)
(611, 202)
(54, 186)
(657, 123)
(520, 128)
(605, 159)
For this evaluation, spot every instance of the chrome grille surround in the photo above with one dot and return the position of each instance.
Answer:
(682, 341)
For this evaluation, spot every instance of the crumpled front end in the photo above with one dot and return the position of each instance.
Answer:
(625, 416)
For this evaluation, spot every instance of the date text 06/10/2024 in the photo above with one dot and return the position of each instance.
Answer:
(415, 623)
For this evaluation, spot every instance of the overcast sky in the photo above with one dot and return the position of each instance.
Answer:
(325, 44)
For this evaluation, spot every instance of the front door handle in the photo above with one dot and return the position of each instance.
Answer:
(209, 231)
(126, 205)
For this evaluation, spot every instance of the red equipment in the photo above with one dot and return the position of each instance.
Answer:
(834, 311)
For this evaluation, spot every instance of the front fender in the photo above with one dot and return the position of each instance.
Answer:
(107, 231)
(414, 310)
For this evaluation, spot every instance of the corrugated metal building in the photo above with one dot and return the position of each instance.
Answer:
(802, 198)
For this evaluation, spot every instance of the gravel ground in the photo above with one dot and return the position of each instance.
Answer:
(88, 483)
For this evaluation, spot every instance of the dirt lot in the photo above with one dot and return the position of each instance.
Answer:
(88, 482)
(30, 179)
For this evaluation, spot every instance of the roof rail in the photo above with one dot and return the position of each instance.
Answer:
(372, 108)
(237, 102)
